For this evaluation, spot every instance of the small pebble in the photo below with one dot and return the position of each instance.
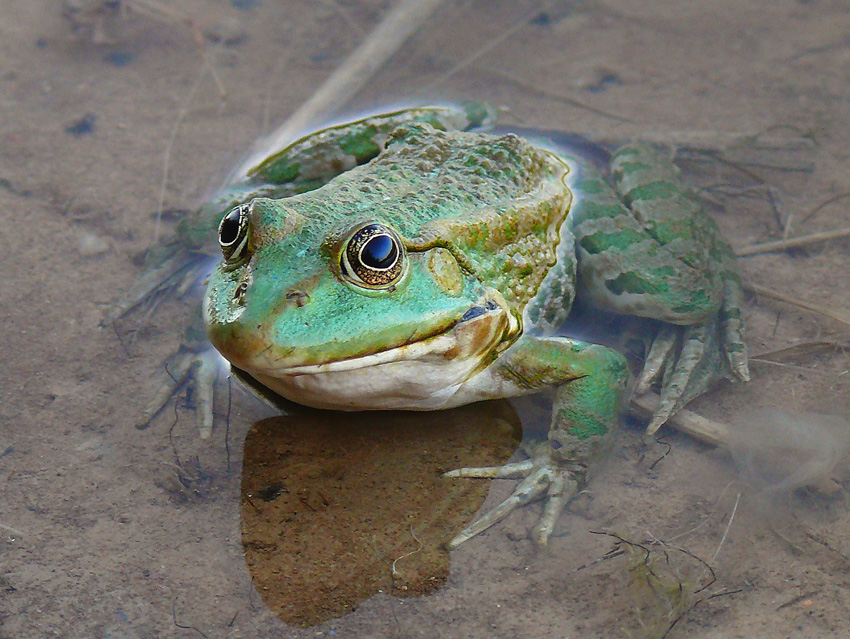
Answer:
(89, 245)
(83, 126)
(119, 58)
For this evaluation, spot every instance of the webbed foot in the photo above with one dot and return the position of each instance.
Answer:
(542, 475)
(200, 370)
(687, 360)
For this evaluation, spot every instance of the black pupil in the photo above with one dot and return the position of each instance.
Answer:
(229, 231)
(379, 252)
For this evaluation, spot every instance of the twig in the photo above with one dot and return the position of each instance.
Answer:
(804, 348)
(782, 297)
(544, 90)
(395, 572)
(688, 422)
(183, 626)
(802, 369)
(794, 242)
(343, 13)
(491, 44)
(166, 158)
(728, 526)
(823, 205)
(401, 22)
(708, 517)
(14, 531)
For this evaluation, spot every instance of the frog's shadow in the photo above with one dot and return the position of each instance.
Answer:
(337, 506)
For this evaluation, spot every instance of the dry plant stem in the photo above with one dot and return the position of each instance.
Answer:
(685, 421)
(816, 308)
(402, 22)
(343, 13)
(710, 432)
(820, 207)
(14, 531)
(726, 531)
(486, 48)
(166, 158)
(163, 13)
(543, 90)
(781, 245)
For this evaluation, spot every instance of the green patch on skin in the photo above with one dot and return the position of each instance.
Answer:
(477, 112)
(634, 283)
(434, 120)
(310, 185)
(627, 151)
(667, 231)
(591, 186)
(696, 301)
(660, 190)
(276, 171)
(627, 168)
(583, 429)
(601, 241)
(360, 144)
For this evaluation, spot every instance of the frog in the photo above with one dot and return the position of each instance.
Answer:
(415, 260)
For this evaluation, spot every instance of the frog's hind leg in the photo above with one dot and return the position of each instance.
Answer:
(647, 248)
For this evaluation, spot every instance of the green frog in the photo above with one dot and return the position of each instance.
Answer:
(404, 261)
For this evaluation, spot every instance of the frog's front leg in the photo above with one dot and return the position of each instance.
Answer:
(589, 381)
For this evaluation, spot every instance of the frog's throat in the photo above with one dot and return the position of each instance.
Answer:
(422, 375)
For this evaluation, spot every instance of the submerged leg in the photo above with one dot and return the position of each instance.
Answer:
(197, 365)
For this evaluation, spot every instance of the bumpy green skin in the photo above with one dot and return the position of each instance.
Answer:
(517, 226)
(315, 159)
(438, 191)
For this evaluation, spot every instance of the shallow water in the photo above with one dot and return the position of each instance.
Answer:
(110, 531)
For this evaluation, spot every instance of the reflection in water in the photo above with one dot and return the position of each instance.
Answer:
(339, 506)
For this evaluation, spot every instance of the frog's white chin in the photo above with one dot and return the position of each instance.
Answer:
(430, 374)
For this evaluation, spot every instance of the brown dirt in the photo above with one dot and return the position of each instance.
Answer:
(108, 531)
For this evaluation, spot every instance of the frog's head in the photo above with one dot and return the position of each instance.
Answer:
(414, 268)
(306, 290)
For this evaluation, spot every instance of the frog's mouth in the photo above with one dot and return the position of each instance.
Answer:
(480, 328)
(424, 374)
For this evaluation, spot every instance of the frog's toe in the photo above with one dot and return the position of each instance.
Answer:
(687, 360)
(541, 475)
(732, 330)
(199, 369)
(681, 382)
(657, 359)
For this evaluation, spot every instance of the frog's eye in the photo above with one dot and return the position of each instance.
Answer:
(374, 257)
(233, 233)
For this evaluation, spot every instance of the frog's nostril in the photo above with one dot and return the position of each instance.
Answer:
(297, 297)
(239, 293)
